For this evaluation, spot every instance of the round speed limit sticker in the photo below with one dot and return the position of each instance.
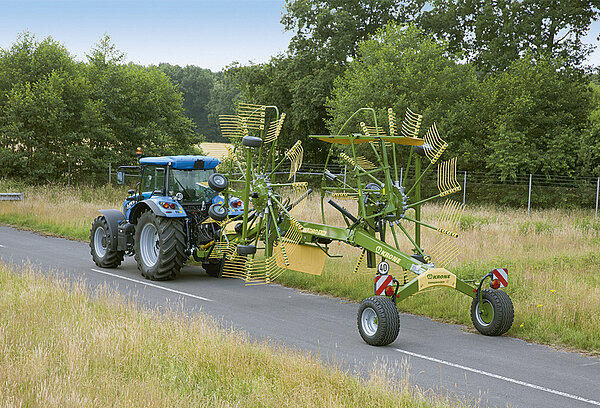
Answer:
(383, 268)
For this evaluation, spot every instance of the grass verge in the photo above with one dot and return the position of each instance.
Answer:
(62, 347)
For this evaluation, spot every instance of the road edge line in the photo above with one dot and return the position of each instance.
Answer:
(500, 377)
(153, 285)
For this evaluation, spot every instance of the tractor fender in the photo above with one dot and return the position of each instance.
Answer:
(113, 217)
(151, 205)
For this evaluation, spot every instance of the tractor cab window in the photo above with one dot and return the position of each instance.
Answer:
(192, 184)
(153, 179)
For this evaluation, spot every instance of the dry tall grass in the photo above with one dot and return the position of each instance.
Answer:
(61, 347)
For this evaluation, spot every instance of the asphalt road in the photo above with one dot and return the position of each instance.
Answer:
(489, 371)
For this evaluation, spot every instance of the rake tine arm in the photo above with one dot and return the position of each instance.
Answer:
(419, 179)
(418, 248)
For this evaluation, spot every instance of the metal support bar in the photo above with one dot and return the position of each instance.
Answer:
(529, 198)
(465, 189)
(597, 190)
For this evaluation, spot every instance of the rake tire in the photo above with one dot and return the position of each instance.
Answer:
(500, 306)
(100, 242)
(378, 321)
(159, 246)
(214, 267)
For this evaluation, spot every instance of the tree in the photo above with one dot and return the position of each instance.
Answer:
(223, 97)
(297, 88)
(534, 113)
(401, 67)
(331, 29)
(57, 113)
(196, 85)
(493, 34)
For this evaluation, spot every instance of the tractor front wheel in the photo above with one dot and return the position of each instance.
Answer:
(378, 321)
(102, 254)
(159, 246)
(494, 315)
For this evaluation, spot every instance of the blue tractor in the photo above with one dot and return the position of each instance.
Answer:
(173, 213)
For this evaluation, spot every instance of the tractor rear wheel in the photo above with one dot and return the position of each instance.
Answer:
(494, 315)
(100, 242)
(159, 246)
(378, 321)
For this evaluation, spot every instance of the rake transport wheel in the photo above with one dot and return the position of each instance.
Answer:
(102, 255)
(495, 315)
(214, 267)
(378, 321)
(159, 246)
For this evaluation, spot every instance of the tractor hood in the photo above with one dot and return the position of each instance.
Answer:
(188, 162)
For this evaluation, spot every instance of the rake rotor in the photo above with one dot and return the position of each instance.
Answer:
(389, 197)
(267, 238)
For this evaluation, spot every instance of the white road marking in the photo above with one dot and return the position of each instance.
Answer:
(154, 286)
(500, 377)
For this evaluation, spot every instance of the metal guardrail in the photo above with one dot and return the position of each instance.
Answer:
(11, 196)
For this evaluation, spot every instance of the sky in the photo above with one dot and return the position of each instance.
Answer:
(206, 33)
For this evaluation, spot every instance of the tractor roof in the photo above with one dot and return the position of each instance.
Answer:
(182, 162)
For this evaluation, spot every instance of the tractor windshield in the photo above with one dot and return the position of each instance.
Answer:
(192, 184)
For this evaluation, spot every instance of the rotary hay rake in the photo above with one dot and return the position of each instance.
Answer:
(269, 239)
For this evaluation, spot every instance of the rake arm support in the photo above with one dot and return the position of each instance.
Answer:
(372, 244)
(343, 211)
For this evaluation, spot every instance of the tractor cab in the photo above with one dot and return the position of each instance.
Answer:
(179, 185)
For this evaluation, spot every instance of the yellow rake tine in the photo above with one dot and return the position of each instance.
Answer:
(295, 155)
(274, 129)
(447, 183)
(411, 124)
(392, 121)
(436, 143)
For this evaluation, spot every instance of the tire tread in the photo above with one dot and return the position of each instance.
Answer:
(113, 258)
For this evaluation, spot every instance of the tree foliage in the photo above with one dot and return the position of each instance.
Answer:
(493, 34)
(399, 68)
(57, 113)
(332, 29)
(528, 118)
(196, 84)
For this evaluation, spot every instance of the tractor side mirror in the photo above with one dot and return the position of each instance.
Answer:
(120, 178)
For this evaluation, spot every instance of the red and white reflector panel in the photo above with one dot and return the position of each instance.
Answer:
(382, 282)
(501, 274)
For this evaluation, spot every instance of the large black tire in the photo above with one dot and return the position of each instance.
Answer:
(378, 321)
(159, 246)
(214, 267)
(100, 242)
(495, 315)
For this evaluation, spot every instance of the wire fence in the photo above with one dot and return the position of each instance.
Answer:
(531, 191)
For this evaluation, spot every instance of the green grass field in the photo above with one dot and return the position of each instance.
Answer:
(552, 257)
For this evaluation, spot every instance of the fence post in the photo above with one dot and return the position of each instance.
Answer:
(465, 189)
(109, 171)
(401, 174)
(597, 188)
(529, 199)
